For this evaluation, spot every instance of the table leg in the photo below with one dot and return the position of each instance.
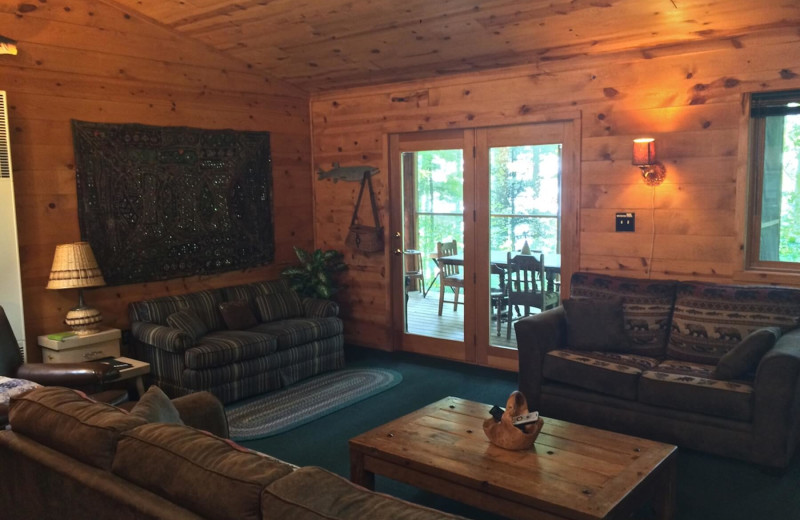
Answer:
(358, 475)
(140, 386)
(664, 499)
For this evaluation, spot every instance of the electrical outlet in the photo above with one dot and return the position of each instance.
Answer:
(626, 222)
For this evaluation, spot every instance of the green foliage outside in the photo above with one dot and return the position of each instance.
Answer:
(789, 248)
(524, 199)
(317, 274)
(440, 200)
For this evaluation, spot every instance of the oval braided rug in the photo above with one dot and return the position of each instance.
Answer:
(303, 402)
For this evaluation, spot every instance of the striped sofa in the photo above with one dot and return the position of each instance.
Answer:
(190, 346)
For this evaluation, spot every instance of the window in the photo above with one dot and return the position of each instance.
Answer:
(774, 209)
(525, 193)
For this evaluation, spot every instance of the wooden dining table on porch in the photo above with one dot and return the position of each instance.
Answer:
(552, 264)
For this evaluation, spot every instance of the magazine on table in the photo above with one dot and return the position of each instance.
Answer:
(116, 363)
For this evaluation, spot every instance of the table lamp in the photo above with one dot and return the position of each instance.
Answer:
(74, 267)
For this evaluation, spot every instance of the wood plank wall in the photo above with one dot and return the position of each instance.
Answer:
(89, 60)
(688, 96)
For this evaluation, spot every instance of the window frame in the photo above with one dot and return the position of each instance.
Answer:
(759, 107)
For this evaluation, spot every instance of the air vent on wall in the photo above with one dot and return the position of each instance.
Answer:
(10, 277)
(5, 153)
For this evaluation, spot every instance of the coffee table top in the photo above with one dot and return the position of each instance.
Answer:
(572, 470)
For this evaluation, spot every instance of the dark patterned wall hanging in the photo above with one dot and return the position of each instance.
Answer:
(166, 202)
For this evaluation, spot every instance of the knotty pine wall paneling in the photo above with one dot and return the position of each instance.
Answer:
(688, 96)
(90, 60)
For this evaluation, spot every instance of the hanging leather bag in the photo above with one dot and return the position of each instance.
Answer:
(367, 239)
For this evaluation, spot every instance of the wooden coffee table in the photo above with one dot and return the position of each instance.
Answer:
(572, 471)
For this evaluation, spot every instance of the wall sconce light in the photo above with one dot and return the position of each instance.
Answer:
(8, 46)
(644, 156)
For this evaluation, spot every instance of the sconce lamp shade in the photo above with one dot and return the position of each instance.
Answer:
(8, 46)
(644, 156)
(74, 266)
(644, 151)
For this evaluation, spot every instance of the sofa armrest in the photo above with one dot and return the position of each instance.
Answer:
(203, 411)
(67, 374)
(160, 336)
(318, 308)
(537, 335)
(777, 397)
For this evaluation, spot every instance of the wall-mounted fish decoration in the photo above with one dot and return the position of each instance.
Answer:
(346, 173)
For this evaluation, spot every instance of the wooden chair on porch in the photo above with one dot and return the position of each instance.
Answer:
(414, 270)
(449, 273)
(526, 285)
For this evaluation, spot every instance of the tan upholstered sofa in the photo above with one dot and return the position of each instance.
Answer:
(71, 458)
(661, 376)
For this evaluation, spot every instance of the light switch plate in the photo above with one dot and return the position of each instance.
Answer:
(626, 221)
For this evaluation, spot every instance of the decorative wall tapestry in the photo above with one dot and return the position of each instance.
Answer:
(166, 202)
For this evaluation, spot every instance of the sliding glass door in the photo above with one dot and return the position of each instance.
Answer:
(520, 171)
(464, 202)
(429, 206)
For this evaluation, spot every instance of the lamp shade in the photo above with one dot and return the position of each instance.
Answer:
(644, 151)
(74, 266)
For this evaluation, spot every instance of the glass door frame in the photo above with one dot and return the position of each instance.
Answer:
(417, 142)
(475, 143)
(530, 134)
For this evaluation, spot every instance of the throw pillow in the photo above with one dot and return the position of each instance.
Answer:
(189, 322)
(155, 407)
(10, 387)
(745, 356)
(279, 306)
(238, 315)
(595, 324)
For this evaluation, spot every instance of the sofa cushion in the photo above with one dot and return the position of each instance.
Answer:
(294, 332)
(155, 310)
(595, 324)
(709, 319)
(255, 376)
(206, 305)
(613, 373)
(646, 305)
(238, 315)
(155, 407)
(249, 292)
(69, 422)
(312, 493)
(744, 357)
(211, 476)
(683, 385)
(229, 346)
(318, 308)
(187, 321)
(279, 306)
(270, 287)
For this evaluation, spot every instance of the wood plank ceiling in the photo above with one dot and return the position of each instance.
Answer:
(332, 44)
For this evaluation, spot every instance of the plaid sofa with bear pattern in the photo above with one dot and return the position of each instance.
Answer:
(707, 366)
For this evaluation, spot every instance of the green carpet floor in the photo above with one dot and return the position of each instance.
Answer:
(709, 487)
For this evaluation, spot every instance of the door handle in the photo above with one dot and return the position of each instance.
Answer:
(397, 252)
(397, 234)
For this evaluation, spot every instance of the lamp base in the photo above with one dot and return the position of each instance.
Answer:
(84, 320)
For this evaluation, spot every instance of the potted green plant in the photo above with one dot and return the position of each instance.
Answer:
(317, 274)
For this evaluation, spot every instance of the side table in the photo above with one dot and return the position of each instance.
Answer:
(139, 369)
(77, 349)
